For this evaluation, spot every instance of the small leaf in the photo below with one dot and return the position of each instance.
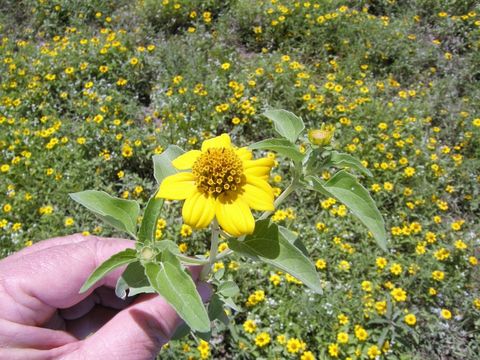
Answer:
(124, 257)
(281, 146)
(293, 239)
(148, 227)
(347, 190)
(121, 214)
(181, 331)
(176, 286)
(231, 304)
(267, 244)
(286, 123)
(345, 160)
(228, 289)
(216, 310)
(162, 163)
(173, 248)
(134, 280)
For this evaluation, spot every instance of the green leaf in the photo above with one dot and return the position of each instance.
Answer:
(181, 331)
(347, 190)
(121, 214)
(345, 160)
(173, 248)
(281, 146)
(134, 280)
(176, 286)
(149, 221)
(124, 257)
(231, 304)
(293, 239)
(286, 123)
(228, 289)
(162, 163)
(216, 310)
(267, 244)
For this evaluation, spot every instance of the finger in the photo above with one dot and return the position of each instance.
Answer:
(101, 296)
(35, 354)
(34, 285)
(16, 335)
(138, 332)
(45, 244)
(91, 322)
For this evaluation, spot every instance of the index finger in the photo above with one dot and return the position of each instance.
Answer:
(37, 283)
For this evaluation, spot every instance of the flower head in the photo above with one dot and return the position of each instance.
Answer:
(223, 183)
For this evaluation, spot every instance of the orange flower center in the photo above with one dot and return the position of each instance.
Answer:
(218, 170)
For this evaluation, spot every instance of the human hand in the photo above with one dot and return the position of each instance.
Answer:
(43, 316)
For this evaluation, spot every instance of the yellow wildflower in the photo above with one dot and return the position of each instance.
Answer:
(224, 183)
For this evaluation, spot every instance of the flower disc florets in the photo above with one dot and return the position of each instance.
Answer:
(218, 170)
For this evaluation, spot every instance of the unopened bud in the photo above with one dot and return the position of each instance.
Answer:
(322, 136)
(147, 253)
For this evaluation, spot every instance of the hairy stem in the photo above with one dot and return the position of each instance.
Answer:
(213, 251)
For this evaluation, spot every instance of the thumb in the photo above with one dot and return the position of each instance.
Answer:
(139, 332)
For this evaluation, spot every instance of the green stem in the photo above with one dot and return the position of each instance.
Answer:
(289, 189)
(213, 250)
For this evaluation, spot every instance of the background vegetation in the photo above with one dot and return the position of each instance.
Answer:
(90, 90)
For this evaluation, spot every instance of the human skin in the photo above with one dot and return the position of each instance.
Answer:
(43, 316)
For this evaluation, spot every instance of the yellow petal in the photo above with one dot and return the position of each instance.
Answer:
(198, 210)
(260, 167)
(222, 141)
(234, 215)
(258, 194)
(177, 187)
(244, 154)
(185, 161)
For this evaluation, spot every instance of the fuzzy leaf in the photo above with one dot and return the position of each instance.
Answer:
(176, 286)
(348, 191)
(269, 245)
(286, 123)
(120, 213)
(124, 257)
(281, 146)
(162, 163)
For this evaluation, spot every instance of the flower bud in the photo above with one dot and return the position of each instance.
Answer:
(322, 136)
(147, 254)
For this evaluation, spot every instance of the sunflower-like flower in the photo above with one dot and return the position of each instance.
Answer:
(224, 182)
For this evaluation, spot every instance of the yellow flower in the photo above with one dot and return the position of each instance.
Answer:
(381, 307)
(307, 355)
(438, 275)
(360, 333)
(275, 279)
(321, 264)
(333, 350)
(410, 319)
(373, 352)
(295, 345)
(381, 262)
(262, 339)
(396, 269)
(224, 183)
(343, 319)
(186, 230)
(445, 314)
(399, 294)
(342, 337)
(249, 326)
